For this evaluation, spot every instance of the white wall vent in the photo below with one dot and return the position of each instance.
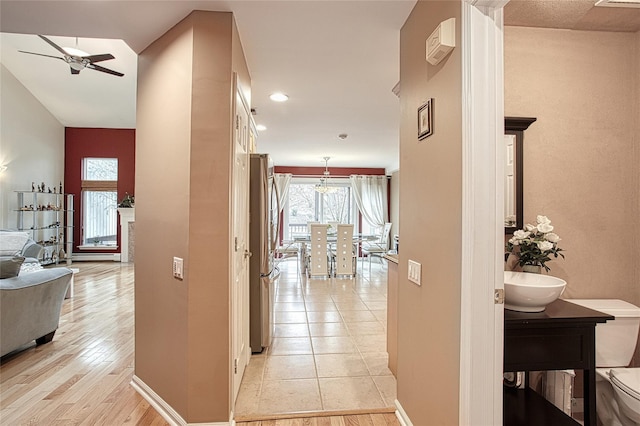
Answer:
(618, 3)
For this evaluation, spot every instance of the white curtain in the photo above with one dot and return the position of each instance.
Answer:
(282, 181)
(370, 193)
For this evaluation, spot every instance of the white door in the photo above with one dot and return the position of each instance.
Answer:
(240, 245)
(482, 258)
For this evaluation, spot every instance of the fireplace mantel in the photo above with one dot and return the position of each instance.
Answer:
(127, 217)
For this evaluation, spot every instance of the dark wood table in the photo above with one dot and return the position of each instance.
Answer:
(559, 338)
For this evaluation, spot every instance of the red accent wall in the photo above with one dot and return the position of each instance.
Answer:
(98, 143)
(334, 171)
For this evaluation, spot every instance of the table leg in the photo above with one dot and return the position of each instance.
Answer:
(589, 387)
(590, 397)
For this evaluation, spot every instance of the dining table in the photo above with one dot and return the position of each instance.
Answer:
(301, 242)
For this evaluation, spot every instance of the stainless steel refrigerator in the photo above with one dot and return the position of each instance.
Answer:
(263, 234)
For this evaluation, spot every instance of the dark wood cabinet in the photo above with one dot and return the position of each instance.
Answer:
(561, 337)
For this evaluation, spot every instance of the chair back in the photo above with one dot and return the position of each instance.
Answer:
(333, 227)
(318, 262)
(344, 250)
(384, 236)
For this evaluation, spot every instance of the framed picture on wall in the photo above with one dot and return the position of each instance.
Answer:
(425, 120)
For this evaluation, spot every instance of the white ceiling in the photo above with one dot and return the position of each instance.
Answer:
(337, 60)
(90, 99)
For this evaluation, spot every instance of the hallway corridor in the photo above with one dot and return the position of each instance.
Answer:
(328, 352)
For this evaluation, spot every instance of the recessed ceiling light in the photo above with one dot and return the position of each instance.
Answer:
(261, 127)
(343, 136)
(279, 97)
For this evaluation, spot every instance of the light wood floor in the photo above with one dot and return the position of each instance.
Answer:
(83, 376)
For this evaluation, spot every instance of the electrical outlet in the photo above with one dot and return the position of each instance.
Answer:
(415, 272)
(178, 268)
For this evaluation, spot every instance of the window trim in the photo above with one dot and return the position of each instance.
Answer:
(99, 185)
(339, 181)
(88, 185)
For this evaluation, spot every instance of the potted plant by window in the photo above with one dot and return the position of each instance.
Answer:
(127, 201)
(535, 245)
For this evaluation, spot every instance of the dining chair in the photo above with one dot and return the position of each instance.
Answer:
(344, 255)
(288, 250)
(332, 227)
(318, 252)
(378, 248)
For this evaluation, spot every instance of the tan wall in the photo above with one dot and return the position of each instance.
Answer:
(636, 156)
(429, 316)
(581, 158)
(182, 199)
(637, 145)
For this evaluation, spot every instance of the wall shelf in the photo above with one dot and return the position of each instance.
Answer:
(48, 218)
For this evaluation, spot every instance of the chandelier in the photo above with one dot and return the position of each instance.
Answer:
(322, 187)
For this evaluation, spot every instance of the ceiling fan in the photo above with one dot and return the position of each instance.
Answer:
(77, 59)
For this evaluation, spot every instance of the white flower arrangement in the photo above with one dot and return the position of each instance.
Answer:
(535, 244)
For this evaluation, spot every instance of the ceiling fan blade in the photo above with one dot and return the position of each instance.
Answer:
(55, 46)
(103, 69)
(99, 58)
(40, 54)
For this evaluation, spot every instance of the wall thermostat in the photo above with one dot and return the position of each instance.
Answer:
(441, 41)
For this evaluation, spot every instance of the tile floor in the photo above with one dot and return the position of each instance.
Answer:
(328, 351)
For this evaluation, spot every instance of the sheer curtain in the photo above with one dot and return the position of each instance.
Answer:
(282, 181)
(370, 193)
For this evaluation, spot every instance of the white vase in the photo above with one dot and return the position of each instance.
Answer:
(534, 269)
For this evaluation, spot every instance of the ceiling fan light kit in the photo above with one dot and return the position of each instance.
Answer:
(77, 59)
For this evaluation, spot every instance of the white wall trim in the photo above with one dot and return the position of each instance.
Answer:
(95, 257)
(401, 415)
(482, 221)
(165, 410)
(127, 215)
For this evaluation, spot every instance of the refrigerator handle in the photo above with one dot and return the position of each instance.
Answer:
(276, 234)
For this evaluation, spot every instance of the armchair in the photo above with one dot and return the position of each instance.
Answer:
(380, 247)
(287, 250)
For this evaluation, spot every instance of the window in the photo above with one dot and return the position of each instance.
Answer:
(304, 205)
(99, 201)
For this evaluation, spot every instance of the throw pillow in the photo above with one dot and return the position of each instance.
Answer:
(11, 243)
(10, 266)
(29, 267)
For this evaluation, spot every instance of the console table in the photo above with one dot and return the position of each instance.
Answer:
(561, 337)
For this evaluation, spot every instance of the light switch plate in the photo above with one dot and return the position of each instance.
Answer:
(415, 272)
(178, 268)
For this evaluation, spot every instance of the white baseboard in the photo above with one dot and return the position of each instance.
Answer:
(165, 410)
(401, 415)
(96, 257)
